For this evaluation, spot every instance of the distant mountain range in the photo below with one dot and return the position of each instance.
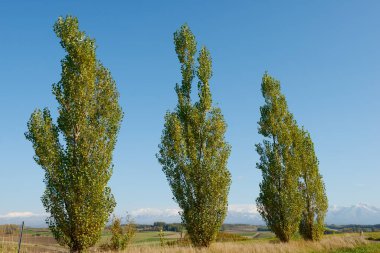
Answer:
(30, 219)
(243, 214)
(361, 214)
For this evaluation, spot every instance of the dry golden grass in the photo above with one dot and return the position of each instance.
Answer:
(326, 245)
(30, 244)
(11, 247)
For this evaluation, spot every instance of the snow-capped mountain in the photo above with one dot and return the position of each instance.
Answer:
(362, 214)
(30, 219)
(236, 214)
(243, 214)
(150, 215)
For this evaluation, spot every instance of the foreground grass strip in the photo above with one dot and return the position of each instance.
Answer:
(11, 247)
(330, 244)
(368, 248)
(327, 245)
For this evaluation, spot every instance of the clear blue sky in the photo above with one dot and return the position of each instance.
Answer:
(325, 53)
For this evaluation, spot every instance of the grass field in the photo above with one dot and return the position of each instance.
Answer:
(41, 240)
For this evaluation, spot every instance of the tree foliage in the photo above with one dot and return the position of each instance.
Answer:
(292, 194)
(76, 153)
(279, 201)
(312, 189)
(121, 236)
(193, 152)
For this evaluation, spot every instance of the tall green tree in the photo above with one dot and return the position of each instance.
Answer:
(312, 189)
(279, 202)
(193, 152)
(76, 153)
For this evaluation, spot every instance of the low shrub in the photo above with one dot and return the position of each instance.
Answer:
(121, 235)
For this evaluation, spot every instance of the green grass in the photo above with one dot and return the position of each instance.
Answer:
(37, 231)
(375, 235)
(38, 236)
(151, 237)
(369, 248)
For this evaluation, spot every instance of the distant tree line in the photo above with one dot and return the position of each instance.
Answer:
(76, 152)
(353, 228)
(159, 225)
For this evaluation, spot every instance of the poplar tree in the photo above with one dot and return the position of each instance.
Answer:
(312, 189)
(76, 153)
(193, 152)
(279, 202)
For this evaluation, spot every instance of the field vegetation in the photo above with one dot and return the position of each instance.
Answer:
(235, 238)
